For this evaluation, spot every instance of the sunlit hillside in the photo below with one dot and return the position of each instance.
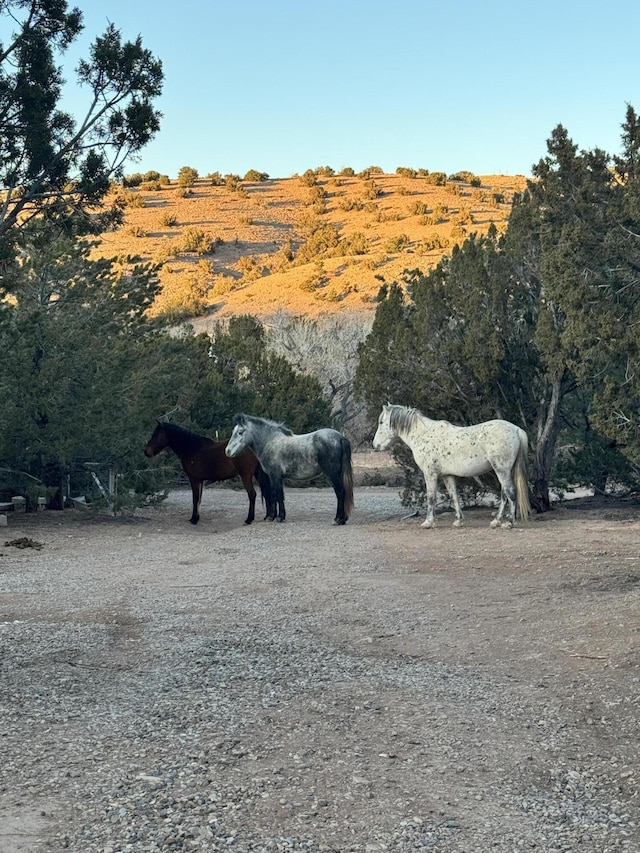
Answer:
(308, 244)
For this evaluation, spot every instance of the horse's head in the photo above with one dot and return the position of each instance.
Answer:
(385, 434)
(239, 437)
(158, 440)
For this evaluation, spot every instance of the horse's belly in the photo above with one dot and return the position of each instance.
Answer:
(301, 471)
(470, 467)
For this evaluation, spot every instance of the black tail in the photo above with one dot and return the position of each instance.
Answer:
(347, 477)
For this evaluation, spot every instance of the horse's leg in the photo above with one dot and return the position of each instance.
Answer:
(507, 496)
(452, 488)
(278, 498)
(431, 486)
(338, 488)
(247, 482)
(196, 491)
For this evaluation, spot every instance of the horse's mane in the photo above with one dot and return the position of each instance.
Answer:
(403, 418)
(186, 437)
(268, 423)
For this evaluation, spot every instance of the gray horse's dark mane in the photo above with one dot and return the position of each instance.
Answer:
(264, 422)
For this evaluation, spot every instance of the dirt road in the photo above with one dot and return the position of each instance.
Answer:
(309, 687)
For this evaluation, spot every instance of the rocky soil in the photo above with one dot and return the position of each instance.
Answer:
(300, 686)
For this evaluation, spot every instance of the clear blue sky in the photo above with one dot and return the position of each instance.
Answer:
(288, 85)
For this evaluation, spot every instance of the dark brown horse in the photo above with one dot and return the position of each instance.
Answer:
(204, 459)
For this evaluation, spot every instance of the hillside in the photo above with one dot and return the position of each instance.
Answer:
(347, 235)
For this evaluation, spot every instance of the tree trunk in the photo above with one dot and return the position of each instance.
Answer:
(548, 425)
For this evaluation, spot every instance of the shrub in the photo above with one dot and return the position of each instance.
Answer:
(351, 204)
(256, 177)
(168, 220)
(464, 176)
(325, 171)
(438, 179)
(434, 241)
(347, 172)
(132, 180)
(464, 217)
(316, 280)
(248, 266)
(187, 176)
(215, 179)
(283, 258)
(309, 178)
(406, 172)
(317, 193)
(402, 190)
(134, 200)
(356, 244)
(419, 208)
(232, 182)
(151, 186)
(321, 240)
(372, 190)
(397, 243)
(151, 176)
(166, 252)
(137, 231)
(497, 198)
(198, 241)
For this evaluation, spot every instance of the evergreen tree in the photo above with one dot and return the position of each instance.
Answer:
(86, 363)
(242, 376)
(50, 164)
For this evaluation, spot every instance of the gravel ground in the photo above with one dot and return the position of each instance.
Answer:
(375, 687)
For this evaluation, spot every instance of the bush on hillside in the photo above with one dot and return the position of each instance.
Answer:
(256, 177)
(187, 176)
(438, 179)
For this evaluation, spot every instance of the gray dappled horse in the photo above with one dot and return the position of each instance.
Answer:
(442, 449)
(282, 454)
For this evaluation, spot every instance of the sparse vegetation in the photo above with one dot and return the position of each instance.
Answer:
(311, 218)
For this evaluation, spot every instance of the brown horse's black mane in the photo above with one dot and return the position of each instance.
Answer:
(182, 440)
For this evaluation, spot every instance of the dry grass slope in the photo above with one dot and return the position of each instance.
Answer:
(228, 251)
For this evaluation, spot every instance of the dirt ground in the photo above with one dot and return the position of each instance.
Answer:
(302, 686)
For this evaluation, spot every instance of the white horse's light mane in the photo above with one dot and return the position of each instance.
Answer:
(405, 418)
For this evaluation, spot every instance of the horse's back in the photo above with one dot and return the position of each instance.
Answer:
(467, 451)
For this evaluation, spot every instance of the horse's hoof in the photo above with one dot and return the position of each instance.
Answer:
(458, 523)
(495, 523)
(281, 520)
(248, 521)
(507, 525)
(340, 521)
(428, 524)
(193, 520)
